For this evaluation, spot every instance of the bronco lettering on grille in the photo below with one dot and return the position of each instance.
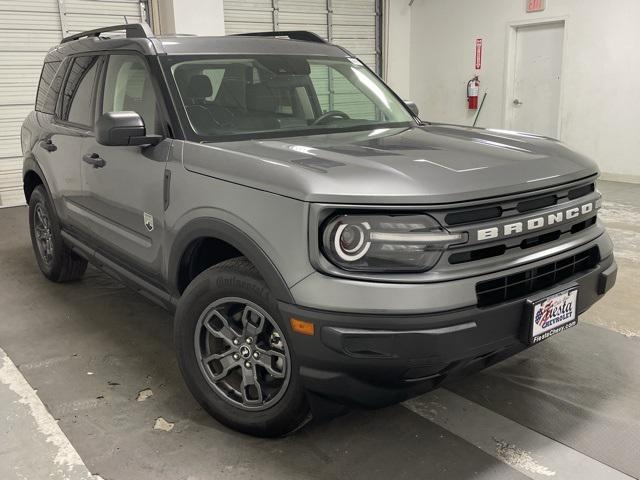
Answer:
(535, 223)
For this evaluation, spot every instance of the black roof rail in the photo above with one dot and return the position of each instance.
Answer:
(133, 30)
(292, 34)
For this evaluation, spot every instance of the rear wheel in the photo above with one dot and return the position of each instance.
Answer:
(234, 353)
(56, 261)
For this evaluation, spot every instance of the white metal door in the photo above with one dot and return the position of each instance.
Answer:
(353, 24)
(80, 15)
(534, 103)
(29, 28)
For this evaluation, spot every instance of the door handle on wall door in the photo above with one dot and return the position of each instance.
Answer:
(94, 159)
(517, 102)
(48, 145)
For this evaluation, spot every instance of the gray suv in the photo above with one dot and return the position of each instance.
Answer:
(320, 245)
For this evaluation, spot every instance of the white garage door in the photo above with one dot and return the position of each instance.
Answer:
(28, 29)
(353, 24)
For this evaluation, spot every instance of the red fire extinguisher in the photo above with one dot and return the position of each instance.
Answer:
(473, 90)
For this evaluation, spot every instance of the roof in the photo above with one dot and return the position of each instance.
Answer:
(140, 38)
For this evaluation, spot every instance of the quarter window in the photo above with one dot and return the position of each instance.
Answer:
(128, 87)
(49, 87)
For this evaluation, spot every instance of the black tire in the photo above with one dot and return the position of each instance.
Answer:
(56, 261)
(236, 279)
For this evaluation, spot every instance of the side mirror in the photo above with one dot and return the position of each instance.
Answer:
(412, 106)
(123, 128)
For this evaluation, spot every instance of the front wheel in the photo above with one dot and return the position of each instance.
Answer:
(234, 354)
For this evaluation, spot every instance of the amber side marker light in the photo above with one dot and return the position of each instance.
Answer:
(302, 327)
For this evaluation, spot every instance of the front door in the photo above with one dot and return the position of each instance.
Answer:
(123, 191)
(535, 101)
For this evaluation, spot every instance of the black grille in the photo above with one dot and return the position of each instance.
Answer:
(509, 208)
(581, 191)
(529, 242)
(525, 283)
(470, 216)
(536, 203)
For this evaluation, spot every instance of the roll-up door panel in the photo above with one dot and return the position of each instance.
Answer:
(251, 16)
(88, 14)
(29, 28)
(354, 23)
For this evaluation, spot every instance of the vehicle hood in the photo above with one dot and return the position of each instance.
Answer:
(429, 164)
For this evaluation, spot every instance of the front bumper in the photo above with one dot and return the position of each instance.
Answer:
(372, 360)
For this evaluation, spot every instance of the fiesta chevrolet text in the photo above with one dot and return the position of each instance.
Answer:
(321, 246)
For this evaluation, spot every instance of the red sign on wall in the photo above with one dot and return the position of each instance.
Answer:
(478, 53)
(535, 5)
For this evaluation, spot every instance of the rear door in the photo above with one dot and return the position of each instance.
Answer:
(58, 151)
(123, 199)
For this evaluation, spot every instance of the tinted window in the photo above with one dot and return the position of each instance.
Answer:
(49, 87)
(76, 101)
(128, 87)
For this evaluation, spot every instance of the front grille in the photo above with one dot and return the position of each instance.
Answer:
(536, 204)
(525, 283)
(459, 219)
(471, 216)
(581, 191)
(465, 216)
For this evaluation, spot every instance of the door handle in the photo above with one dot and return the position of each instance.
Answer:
(48, 145)
(517, 102)
(94, 159)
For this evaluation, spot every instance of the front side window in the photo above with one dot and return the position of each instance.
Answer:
(77, 99)
(271, 95)
(128, 87)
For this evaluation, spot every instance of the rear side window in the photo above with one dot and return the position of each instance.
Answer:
(49, 87)
(77, 98)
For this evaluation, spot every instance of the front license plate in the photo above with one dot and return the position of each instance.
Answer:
(553, 314)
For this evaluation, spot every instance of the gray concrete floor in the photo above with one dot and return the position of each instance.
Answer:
(567, 408)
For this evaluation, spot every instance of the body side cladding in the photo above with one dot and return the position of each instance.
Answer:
(114, 270)
(221, 230)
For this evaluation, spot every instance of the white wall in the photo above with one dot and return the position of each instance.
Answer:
(599, 112)
(197, 17)
(397, 45)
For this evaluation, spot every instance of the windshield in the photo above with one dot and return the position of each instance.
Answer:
(271, 95)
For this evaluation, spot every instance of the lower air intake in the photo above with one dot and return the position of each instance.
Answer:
(525, 283)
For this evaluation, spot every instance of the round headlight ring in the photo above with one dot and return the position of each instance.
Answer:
(355, 253)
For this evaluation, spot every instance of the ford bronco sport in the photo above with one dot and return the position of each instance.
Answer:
(320, 244)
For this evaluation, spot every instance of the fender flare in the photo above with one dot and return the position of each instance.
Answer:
(30, 164)
(222, 230)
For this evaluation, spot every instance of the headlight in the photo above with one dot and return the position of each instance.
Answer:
(385, 243)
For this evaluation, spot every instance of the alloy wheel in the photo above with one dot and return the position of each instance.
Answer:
(242, 353)
(43, 234)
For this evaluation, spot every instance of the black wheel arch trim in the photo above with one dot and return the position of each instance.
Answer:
(234, 236)
(30, 164)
